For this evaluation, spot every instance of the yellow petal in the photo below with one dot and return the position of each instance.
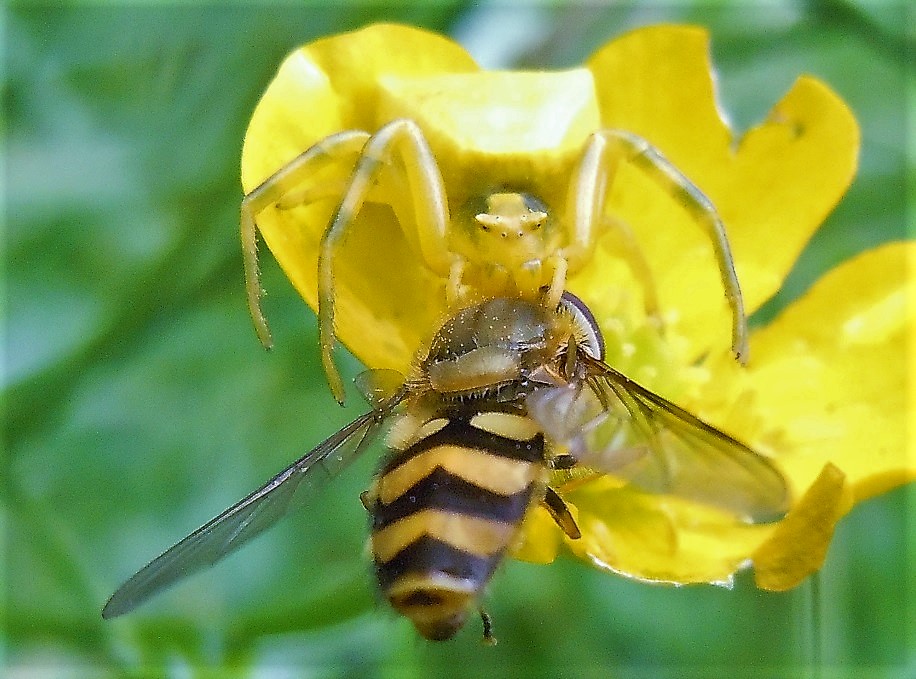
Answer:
(827, 379)
(660, 538)
(770, 200)
(329, 86)
(467, 117)
(332, 85)
(798, 545)
(657, 82)
(539, 539)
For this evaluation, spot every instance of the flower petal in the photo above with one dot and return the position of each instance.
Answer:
(827, 380)
(332, 84)
(659, 538)
(657, 82)
(539, 539)
(798, 545)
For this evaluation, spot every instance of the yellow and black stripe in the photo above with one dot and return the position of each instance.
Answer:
(446, 507)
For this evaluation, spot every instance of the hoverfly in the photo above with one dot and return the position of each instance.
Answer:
(513, 384)
(508, 390)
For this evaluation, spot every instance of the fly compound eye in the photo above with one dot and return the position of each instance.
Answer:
(588, 334)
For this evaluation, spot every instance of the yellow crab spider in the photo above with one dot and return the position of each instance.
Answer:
(508, 247)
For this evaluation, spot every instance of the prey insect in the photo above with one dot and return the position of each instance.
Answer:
(508, 390)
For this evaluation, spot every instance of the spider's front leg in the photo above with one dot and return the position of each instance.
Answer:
(285, 188)
(604, 151)
(400, 147)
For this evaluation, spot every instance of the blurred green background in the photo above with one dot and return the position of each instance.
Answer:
(139, 404)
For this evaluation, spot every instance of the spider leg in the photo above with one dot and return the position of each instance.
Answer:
(283, 188)
(626, 245)
(604, 151)
(403, 141)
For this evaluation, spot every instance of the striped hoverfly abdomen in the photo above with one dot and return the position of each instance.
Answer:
(448, 507)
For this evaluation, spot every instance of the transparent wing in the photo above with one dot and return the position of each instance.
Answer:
(612, 424)
(247, 518)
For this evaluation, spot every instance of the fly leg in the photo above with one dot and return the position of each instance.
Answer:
(488, 638)
(559, 512)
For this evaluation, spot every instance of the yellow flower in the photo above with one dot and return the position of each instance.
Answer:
(824, 392)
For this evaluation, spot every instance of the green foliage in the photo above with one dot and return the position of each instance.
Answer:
(138, 403)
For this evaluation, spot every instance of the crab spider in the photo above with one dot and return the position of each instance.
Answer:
(509, 249)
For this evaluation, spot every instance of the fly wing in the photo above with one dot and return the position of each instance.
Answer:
(246, 519)
(611, 424)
